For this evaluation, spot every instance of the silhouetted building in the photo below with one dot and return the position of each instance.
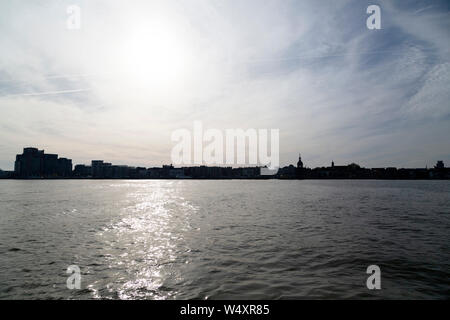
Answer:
(29, 164)
(50, 165)
(154, 173)
(288, 172)
(120, 172)
(176, 173)
(300, 162)
(82, 171)
(64, 167)
(246, 172)
(6, 174)
(439, 165)
(34, 163)
(97, 168)
(301, 172)
(165, 172)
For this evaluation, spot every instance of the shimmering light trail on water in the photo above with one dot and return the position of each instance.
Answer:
(187, 239)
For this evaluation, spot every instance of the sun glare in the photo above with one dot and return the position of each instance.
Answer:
(154, 56)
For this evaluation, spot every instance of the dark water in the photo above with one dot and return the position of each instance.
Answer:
(224, 239)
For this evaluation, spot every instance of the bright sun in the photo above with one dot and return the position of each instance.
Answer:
(153, 56)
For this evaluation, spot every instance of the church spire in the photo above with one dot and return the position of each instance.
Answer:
(300, 162)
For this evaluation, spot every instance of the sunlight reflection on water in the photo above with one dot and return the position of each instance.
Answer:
(162, 239)
(150, 232)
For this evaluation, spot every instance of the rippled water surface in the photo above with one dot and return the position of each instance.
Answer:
(162, 239)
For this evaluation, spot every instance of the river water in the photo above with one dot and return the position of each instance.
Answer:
(224, 239)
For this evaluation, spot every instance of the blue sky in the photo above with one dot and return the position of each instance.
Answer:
(138, 70)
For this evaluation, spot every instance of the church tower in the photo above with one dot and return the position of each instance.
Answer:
(300, 163)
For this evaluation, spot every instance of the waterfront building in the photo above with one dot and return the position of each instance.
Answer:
(82, 171)
(34, 163)
(439, 165)
(299, 162)
(6, 174)
(97, 168)
(50, 165)
(64, 168)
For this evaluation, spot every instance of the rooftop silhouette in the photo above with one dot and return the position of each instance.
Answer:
(36, 164)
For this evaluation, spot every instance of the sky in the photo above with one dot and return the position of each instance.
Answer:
(136, 71)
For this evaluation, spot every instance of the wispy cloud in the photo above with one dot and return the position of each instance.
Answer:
(48, 93)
